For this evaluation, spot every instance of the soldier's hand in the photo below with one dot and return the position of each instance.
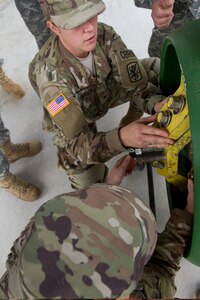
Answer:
(162, 13)
(159, 105)
(139, 134)
(123, 167)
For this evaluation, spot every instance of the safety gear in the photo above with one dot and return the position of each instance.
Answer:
(91, 244)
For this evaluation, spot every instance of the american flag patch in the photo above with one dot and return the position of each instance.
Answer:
(57, 104)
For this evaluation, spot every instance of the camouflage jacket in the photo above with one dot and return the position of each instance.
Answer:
(192, 5)
(93, 243)
(120, 77)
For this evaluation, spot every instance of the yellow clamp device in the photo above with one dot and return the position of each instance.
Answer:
(174, 117)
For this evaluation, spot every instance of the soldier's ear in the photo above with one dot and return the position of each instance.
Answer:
(52, 27)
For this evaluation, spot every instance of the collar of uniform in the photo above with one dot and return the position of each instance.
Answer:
(102, 66)
(67, 57)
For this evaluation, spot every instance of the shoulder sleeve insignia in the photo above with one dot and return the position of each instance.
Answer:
(134, 72)
(57, 104)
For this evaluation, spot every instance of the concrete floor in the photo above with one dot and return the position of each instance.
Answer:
(23, 118)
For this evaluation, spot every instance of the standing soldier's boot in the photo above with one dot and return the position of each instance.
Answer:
(14, 152)
(20, 188)
(9, 86)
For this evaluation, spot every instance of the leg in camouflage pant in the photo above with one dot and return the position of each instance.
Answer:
(4, 166)
(4, 163)
(182, 15)
(34, 19)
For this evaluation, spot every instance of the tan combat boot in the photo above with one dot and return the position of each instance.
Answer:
(14, 152)
(9, 86)
(20, 188)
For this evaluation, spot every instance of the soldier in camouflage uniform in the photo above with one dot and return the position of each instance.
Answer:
(183, 11)
(34, 19)
(82, 72)
(94, 244)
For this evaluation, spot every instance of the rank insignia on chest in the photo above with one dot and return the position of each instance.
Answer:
(57, 104)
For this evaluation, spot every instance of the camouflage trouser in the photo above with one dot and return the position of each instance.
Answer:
(4, 163)
(1, 62)
(182, 15)
(96, 173)
(195, 8)
(80, 178)
(34, 20)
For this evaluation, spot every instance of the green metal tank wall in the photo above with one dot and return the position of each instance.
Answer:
(181, 54)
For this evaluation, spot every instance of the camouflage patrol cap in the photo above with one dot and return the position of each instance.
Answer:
(88, 244)
(68, 14)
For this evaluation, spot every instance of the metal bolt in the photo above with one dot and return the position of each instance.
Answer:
(164, 118)
(176, 103)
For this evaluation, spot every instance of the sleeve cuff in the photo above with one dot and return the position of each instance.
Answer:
(151, 103)
(113, 142)
(181, 216)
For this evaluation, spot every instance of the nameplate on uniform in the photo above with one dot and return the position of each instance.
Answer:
(57, 104)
